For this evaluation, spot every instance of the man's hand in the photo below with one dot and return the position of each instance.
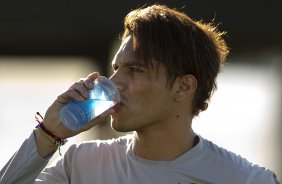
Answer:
(79, 92)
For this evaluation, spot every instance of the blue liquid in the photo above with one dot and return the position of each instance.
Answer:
(75, 115)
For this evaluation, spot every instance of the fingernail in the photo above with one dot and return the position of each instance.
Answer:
(90, 85)
(80, 99)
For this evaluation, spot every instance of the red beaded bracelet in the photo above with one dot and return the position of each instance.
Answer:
(57, 140)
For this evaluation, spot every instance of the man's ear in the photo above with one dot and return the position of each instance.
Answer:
(185, 87)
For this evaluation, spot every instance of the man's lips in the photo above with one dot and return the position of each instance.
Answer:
(117, 106)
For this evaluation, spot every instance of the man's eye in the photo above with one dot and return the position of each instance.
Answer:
(135, 69)
(115, 68)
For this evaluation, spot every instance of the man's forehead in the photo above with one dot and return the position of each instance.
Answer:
(126, 53)
(127, 44)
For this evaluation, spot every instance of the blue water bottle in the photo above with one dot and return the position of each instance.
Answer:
(105, 95)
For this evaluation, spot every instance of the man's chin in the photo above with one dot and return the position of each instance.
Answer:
(117, 126)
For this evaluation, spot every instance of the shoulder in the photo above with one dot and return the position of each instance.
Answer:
(233, 165)
(100, 146)
(86, 154)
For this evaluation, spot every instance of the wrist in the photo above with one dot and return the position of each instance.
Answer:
(44, 146)
(50, 135)
(46, 137)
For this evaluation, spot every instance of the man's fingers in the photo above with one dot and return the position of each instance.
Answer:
(80, 88)
(88, 84)
(93, 76)
(69, 95)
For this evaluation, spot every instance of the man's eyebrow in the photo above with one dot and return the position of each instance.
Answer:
(134, 64)
(129, 64)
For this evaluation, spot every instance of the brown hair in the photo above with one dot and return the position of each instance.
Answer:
(182, 45)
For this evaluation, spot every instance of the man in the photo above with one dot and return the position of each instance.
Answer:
(165, 70)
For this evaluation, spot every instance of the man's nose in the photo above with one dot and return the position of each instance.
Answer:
(117, 80)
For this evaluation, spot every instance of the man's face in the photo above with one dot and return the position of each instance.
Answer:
(145, 100)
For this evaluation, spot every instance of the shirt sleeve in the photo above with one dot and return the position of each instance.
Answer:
(59, 171)
(264, 177)
(25, 165)
(55, 174)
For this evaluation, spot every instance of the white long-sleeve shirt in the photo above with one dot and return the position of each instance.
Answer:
(113, 161)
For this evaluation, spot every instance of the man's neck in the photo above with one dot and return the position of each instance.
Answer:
(164, 143)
